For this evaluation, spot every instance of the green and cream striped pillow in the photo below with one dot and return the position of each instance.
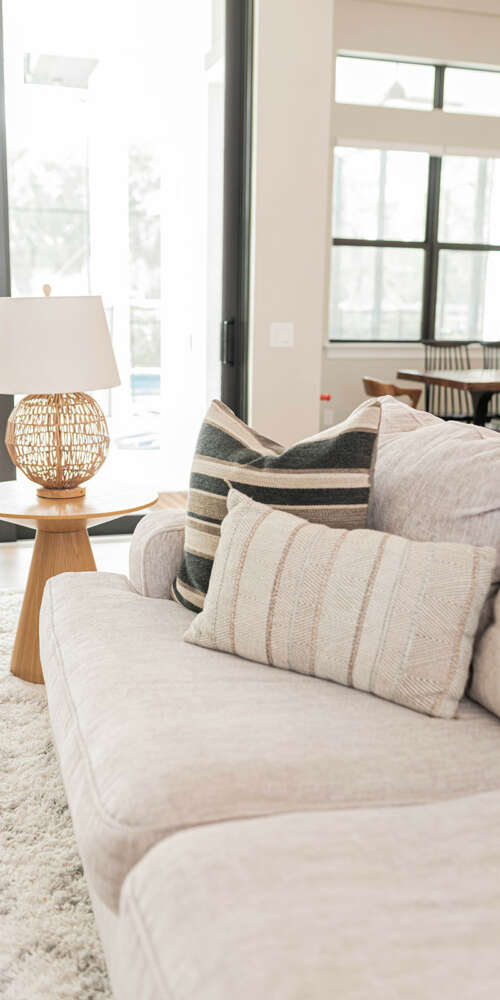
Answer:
(325, 478)
(370, 610)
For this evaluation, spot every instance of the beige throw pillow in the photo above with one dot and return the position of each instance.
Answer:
(364, 608)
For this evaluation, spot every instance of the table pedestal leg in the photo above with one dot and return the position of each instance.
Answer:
(480, 401)
(54, 552)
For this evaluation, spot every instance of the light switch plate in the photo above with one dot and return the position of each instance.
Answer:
(282, 335)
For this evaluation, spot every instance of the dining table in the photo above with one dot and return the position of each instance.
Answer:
(481, 383)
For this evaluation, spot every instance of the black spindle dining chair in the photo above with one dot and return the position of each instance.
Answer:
(491, 359)
(448, 355)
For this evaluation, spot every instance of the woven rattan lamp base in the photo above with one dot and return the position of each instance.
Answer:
(78, 491)
(59, 441)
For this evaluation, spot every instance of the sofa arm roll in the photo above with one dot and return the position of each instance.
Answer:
(156, 552)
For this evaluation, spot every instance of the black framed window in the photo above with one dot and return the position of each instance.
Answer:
(416, 237)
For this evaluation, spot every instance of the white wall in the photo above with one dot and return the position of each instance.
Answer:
(460, 31)
(291, 217)
(294, 130)
(345, 365)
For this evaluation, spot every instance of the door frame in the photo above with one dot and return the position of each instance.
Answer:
(237, 205)
(8, 532)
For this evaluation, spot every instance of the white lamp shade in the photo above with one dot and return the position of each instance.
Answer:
(55, 344)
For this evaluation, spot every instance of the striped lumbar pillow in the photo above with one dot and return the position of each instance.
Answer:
(363, 608)
(325, 478)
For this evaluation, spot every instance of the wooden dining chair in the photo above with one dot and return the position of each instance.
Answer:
(375, 388)
(444, 402)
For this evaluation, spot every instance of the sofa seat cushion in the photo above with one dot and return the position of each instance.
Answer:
(398, 903)
(155, 735)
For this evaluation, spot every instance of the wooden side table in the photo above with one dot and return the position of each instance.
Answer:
(62, 545)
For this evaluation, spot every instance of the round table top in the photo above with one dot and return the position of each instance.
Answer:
(19, 500)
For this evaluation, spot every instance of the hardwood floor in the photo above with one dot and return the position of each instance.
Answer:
(110, 553)
(177, 500)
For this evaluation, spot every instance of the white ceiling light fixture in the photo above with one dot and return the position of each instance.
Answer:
(396, 92)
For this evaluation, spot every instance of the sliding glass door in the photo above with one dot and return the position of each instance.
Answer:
(116, 164)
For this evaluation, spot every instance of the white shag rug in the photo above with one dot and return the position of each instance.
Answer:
(49, 946)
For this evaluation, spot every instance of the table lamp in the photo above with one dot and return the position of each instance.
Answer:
(55, 349)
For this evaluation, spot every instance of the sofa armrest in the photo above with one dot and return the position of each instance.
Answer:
(156, 552)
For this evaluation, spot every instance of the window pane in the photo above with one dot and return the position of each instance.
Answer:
(115, 120)
(379, 194)
(469, 209)
(384, 83)
(375, 293)
(145, 342)
(468, 298)
(471, 91)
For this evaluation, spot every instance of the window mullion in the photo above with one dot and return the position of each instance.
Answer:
(431, 228)
(484, 247)
(439, 88)
(342, 241)
(432, 251)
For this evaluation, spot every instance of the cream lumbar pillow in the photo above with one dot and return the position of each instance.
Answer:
(363, 608)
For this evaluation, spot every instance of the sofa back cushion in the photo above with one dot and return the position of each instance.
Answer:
(398, 418)
(324, 478)
(363, 608)
(439, 483)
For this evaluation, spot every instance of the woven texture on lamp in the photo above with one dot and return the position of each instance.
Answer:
(59, 441)
(53, 349)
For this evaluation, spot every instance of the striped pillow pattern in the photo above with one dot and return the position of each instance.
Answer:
(325, 479)
(370, 610)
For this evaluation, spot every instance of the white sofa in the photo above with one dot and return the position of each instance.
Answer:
(252, 834)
